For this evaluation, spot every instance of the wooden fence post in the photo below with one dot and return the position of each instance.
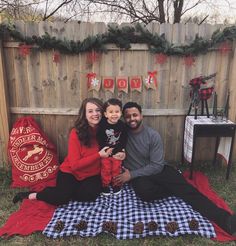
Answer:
(4, 112)
(232, 86)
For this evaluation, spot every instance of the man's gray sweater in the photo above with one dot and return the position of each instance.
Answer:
(144, 152)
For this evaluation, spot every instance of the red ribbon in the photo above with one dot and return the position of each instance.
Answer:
(152, 75)
(91, 75)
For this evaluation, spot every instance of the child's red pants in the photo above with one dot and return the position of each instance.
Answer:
(110, 169)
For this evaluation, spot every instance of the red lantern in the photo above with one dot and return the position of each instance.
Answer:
(189, 60)
(225, 48)
(93, 57)
(24, 49)
(56, 57)
(161, 58)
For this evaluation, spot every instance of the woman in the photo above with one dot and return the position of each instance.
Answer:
(79, 175)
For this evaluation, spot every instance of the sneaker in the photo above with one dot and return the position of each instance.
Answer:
(116, 190)
(20, 196)
(231, 224)
(106, 191)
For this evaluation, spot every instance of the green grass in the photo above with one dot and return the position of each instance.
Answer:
(226, 189)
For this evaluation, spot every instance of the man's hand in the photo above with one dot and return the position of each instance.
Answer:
(122, 178)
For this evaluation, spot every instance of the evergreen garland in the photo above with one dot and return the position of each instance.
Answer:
(123, 37)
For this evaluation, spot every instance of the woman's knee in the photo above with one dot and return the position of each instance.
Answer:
(89, 193)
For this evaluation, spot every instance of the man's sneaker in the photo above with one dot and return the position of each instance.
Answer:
(116, 190)
(106, 191)
(231, 224)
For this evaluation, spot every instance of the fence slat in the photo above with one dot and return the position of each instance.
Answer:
(4, 111)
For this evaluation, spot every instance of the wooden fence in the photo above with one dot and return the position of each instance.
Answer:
(52, 92)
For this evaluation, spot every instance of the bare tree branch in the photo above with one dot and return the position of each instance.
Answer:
(144, 11)
(203, 20)
(56, 9)
(192, 7)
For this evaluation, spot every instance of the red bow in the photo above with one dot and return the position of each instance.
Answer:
(152, 75)
(91, 75)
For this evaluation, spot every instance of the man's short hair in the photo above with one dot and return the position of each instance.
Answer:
(132, 105)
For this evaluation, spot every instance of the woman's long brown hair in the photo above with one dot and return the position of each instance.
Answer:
(81, 124)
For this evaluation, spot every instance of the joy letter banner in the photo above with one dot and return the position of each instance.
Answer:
(108, 84)
(135, 83)
(122, 83)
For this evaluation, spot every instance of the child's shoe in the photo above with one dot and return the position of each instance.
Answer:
(106, 191)
(117, 190)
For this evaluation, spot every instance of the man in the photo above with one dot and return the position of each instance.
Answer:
(151, 178)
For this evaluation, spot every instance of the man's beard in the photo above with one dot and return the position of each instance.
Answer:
(138, 124)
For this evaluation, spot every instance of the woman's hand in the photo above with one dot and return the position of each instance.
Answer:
(105, 152)
(119, 156)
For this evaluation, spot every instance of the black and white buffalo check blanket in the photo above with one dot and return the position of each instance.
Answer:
(126, 217)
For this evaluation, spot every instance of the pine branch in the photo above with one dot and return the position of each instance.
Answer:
(123, 37)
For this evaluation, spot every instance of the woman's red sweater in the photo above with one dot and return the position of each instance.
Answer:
(82, 161)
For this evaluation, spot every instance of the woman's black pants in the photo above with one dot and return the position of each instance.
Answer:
(69, 188)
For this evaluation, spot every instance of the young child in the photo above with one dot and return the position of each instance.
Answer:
(112, 133)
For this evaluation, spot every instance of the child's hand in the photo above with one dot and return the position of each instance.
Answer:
(119, 156)
(105, 152)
